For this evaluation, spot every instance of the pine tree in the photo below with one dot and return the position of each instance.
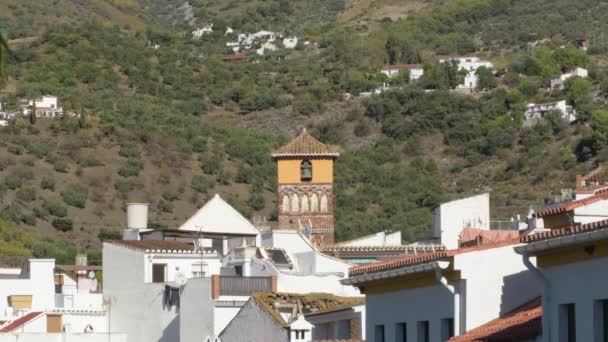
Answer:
(3, 48)
(33, 113)
(82, 118)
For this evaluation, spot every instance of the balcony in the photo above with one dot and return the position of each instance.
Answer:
(241, 286)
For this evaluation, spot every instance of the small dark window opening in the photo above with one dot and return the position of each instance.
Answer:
(306, 171)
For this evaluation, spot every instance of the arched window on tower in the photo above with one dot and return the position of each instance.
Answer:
(314, 203)
(304, 206)
(306, 171)
(295, 203)
(324, 208)
(285, 204)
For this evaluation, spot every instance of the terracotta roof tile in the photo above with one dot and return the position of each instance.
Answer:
(560, 232)
(155, 246)
(412, 260)
(520, 324)
(305, 145)
(569, 206)
(310, 303)
(20, 322)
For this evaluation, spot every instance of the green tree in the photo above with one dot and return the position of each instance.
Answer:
(3, 50)
(33, 113)
(486, 80)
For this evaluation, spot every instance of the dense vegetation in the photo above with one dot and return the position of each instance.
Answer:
(158, 124)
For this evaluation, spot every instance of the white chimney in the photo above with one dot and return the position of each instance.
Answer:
(137, 219)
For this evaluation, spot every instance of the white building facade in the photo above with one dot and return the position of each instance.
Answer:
(536, 111)
(470, 64)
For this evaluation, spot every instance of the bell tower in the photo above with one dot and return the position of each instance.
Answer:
(305, 170)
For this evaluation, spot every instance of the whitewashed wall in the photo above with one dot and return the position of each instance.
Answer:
(450, 218)
(497, 282)
(431, 304)
(580, 283)
(39, 284)
(253, 324)
(137, 308)
(591, 213)
(197, 311)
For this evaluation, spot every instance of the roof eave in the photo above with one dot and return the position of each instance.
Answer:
(368, 277)
(563, 241)
(334, 155)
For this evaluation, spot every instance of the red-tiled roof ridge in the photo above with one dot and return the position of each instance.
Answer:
(20, 321)
(166, 246)
(412, 260)
(305, 145)
(523, 323)
(561, 232)
(569, 206)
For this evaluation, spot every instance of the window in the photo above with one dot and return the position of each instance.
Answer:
(447, 328)
(159, 272)
(401, 332)
(600, 320)
(306, 171)
(423, 331)
(567, 323)
(199, 270)
(379, 333)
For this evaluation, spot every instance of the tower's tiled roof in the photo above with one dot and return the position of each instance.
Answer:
(304, 145)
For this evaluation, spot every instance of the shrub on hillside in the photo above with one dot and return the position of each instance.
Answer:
(75, 195)
(89, 161)
(48, 183)
(4, 162)
(170, 196)
(164, 206)
(55, 208)
(109, 234)
(63, 224)
(132, 169)
(26, 194)
(13, 182)
(201, 184)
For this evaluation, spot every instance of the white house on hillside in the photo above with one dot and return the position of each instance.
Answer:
(535, 111)
(47, 106)
(416, 70)
(470, 64)
(557, 82)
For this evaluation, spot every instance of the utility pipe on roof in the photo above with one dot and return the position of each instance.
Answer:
(546, 296)
(455, 293)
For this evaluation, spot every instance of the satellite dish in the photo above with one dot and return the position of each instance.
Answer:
(91, 274)
(180, 278)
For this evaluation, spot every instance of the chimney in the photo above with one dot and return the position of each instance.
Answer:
(137, 219)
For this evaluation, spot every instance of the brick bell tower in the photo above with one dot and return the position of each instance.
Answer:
(305, 170)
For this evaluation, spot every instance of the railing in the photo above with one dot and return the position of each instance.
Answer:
(241, 286)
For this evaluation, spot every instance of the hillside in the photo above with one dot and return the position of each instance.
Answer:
(174, 124)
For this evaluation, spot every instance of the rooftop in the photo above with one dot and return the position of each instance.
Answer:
(523, 323)
(412, 260)
(306, 304)
(20, 322)
(219, 217)
(569, 206)
(155, 246)
(566, 231)
(305, 145)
